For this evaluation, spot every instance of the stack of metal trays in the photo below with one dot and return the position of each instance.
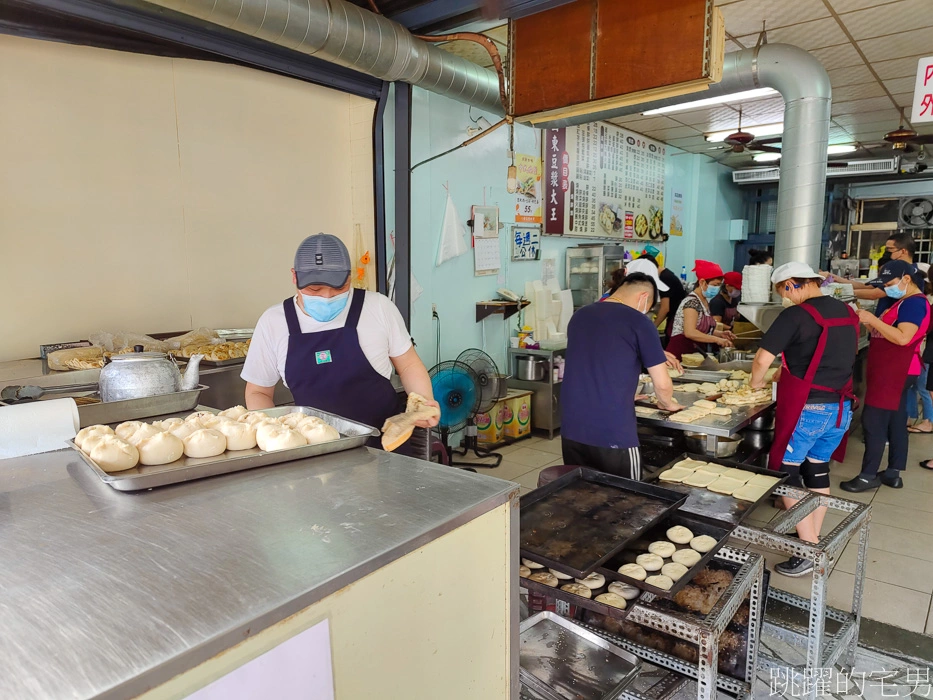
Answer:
(560, 660)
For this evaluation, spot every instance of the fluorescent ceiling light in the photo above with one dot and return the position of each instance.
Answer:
(767, 157)
(758, 131)
(696, 104)
(849, 148)
(831, 150)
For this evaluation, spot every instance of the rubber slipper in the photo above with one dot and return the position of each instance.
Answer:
(913, 429)
(925, 464)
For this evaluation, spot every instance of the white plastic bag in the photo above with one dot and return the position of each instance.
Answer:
(453, 234)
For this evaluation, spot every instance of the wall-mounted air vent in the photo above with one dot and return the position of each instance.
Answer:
(881, 166)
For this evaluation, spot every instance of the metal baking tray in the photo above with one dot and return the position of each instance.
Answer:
(698, 526)
(223, 363)
(717, 506)
(579, 601)
(580, 520)
(352, 434)
(100, 413)
(692, 376)
(561, 659)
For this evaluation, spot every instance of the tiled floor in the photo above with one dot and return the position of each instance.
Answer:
(899, 578)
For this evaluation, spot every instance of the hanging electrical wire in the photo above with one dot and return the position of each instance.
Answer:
(474, 139)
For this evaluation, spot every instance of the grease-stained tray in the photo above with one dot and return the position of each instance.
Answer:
(696, 524)
(717, 506)
(580, 520)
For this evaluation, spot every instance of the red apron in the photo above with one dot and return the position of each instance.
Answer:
(794, 392)
(680, 345)
(888, 363)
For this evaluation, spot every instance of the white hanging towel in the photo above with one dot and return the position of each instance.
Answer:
(453, 234)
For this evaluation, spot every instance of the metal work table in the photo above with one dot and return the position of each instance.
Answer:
(107, 594)
(839, 648)
(713, 427)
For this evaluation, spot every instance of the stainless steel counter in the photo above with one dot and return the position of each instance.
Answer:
(107, 594)
(720, 426)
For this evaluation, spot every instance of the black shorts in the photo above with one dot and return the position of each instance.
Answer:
(619, 461)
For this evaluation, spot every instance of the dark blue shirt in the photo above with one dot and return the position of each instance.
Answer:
(608, 344)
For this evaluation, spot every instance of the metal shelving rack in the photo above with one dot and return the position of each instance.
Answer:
(704, 631)
(822, 651)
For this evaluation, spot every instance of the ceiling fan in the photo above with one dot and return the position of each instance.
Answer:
(742, 141)
(901, 140)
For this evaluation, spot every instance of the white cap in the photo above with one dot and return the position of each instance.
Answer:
(648, 268)
(793, 269)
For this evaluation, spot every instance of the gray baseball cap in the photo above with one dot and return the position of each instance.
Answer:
(322, 260)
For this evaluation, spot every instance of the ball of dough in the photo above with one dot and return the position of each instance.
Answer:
(626, 590)
(577, 589)
(316, 434)
(169, 424)
(649, 562)
(254, 417)
(687, 557)
(561, 575)
(545, 577)
(160, 448)
(532, 564)
(281, 438)
(185, 429)
(612, 599)
(90, 441)
(679, 534)
(524, 571)
(593, 581)
(633, 571)
(145, 431)
(205, 442)
(703, 543)
(674, 571)
(214, 421)
(662, 549)
(197, 417)
(234, 413)
(240, 436)
(293, 420)
(114, 455)
(85, 433)
(661, 581)
(124, 430)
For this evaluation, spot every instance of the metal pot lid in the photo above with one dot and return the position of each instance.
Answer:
(144, 356)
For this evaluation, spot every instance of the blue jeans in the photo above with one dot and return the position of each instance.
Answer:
(920, 388)
(816, 436)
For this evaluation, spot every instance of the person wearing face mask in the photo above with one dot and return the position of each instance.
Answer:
(893, 367)
(608, 344)
(334, 347)
(900, 246)
(694, 325)
(817, 338)
(725, 305)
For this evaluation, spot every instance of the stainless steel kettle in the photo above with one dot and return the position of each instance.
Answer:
(140, 374)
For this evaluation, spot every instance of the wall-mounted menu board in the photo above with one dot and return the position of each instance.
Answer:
(603, 181)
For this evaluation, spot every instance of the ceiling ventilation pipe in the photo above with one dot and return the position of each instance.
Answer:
(350, 36)
(804, 84)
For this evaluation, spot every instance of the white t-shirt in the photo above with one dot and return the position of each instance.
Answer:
(381, 330)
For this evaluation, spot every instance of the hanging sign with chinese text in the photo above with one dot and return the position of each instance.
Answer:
(528, 197)
(923, 92)
(602, 181)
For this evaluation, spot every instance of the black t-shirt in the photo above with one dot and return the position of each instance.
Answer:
(796, 334)
(675, 293)
(719, 305)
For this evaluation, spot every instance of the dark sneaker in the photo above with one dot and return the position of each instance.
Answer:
(859, 484)
(794, 567)
(892, 478)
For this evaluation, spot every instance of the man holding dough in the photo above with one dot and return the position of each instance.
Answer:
(818, 339)
(334, 347)
(607, 345)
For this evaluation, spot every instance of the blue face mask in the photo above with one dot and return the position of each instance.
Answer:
(895, 292)
(324, 310)
(711, 292)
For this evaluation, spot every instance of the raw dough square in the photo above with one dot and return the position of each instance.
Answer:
(725, 485)
(675, 474)
(701, 479)
(691, 464)
(762, 480)
(721, 411)
(739, 474)
(703, 403)
(713, 469)
(751, 492)
(683, 417)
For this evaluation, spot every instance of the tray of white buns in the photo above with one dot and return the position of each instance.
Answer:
(667, 557)
(718, 489)
(135, 455)
(594, 592)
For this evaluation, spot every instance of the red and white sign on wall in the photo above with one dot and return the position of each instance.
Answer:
(923, 92)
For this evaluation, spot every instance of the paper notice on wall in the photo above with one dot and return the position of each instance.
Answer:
(486, 256)
(548, 270)
(528, 198)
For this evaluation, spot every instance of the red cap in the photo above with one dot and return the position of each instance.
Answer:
(707, 270)
(734, 279)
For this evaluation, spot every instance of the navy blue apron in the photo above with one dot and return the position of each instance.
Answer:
(328, 370)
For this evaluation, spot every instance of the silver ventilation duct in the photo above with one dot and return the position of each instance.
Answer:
(804, 85)
(350, 36)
